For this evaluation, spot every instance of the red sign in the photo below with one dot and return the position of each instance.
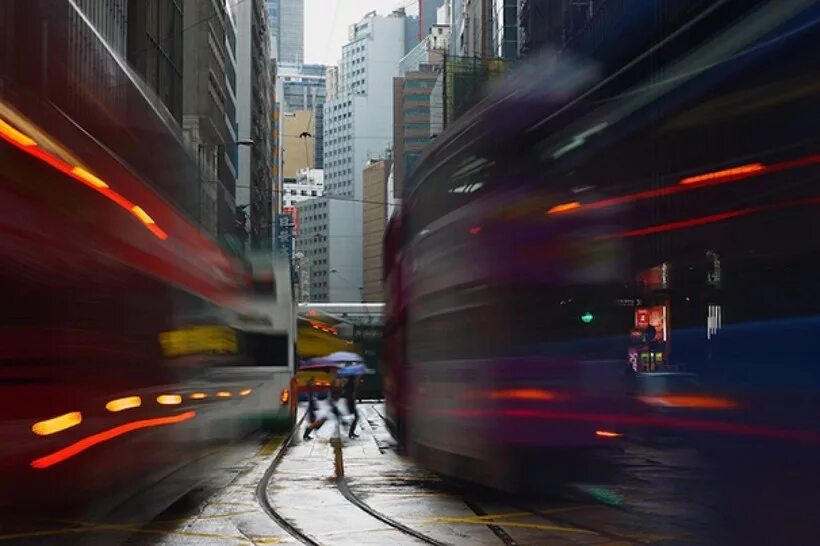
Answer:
(652, 316)
(641, 317)
(293, 212)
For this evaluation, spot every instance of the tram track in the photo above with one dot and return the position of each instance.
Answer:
(483, 516)
(343, 487)
(262, 492)
(497, 528)
(352, 498)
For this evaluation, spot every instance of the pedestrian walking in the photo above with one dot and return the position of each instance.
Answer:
(314, 422)
(350, 395)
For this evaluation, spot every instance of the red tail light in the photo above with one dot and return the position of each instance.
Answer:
(284, 397)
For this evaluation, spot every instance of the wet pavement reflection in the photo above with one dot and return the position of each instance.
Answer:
(340, 491)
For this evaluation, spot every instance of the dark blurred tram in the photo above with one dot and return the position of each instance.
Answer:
(132, 344)
(610, 247)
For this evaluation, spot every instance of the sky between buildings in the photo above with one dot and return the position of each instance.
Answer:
(327, 21)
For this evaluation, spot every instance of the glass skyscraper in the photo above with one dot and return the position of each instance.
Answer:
(287, 21)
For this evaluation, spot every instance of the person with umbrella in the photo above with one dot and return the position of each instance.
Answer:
(352, 373)
(350, 395)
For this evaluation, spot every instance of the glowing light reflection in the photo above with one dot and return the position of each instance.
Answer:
(57, 424)
(169, 399)
(110, 434)
(125, 403)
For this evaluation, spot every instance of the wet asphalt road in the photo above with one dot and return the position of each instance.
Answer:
(360, 492)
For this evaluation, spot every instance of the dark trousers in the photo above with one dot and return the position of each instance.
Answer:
(351, 404)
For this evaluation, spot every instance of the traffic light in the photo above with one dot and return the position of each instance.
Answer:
(587, 317)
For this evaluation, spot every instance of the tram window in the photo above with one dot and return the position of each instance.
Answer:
(265, 349)
(449, 187)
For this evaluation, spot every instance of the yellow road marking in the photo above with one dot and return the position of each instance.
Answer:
(540, 526)
(232, 503)
(270, 448)
(491, 517)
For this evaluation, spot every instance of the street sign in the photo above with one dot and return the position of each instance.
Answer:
(284, 237)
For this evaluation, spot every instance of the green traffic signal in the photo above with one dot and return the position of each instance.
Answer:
(587, 317)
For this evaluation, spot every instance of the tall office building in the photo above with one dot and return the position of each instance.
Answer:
(358, 121)
(427, 17)
(301, 88)
(154, 48)
(273, 8)
(417, 102)
(374, 220)
(357, 128)
(286, 30)
(209, 108)
(254, 191)
(291, 31)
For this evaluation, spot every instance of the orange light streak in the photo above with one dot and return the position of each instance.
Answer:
(689, 401)
(28, 145)
(694, 182)
(522, 394)
(564, 207)
(741, 171)
(121, 404)
(169, 399)
(607, 434)
(57, 424)
(88, 177)
(14, 136)
(110, 434)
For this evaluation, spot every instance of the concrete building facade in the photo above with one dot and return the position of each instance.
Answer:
(308, 184)
(254, 193)
(415, 108)
(374, 219)
(302, 86)
(334, 258)
(358, 121)
(358, 127)
(209, 109)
